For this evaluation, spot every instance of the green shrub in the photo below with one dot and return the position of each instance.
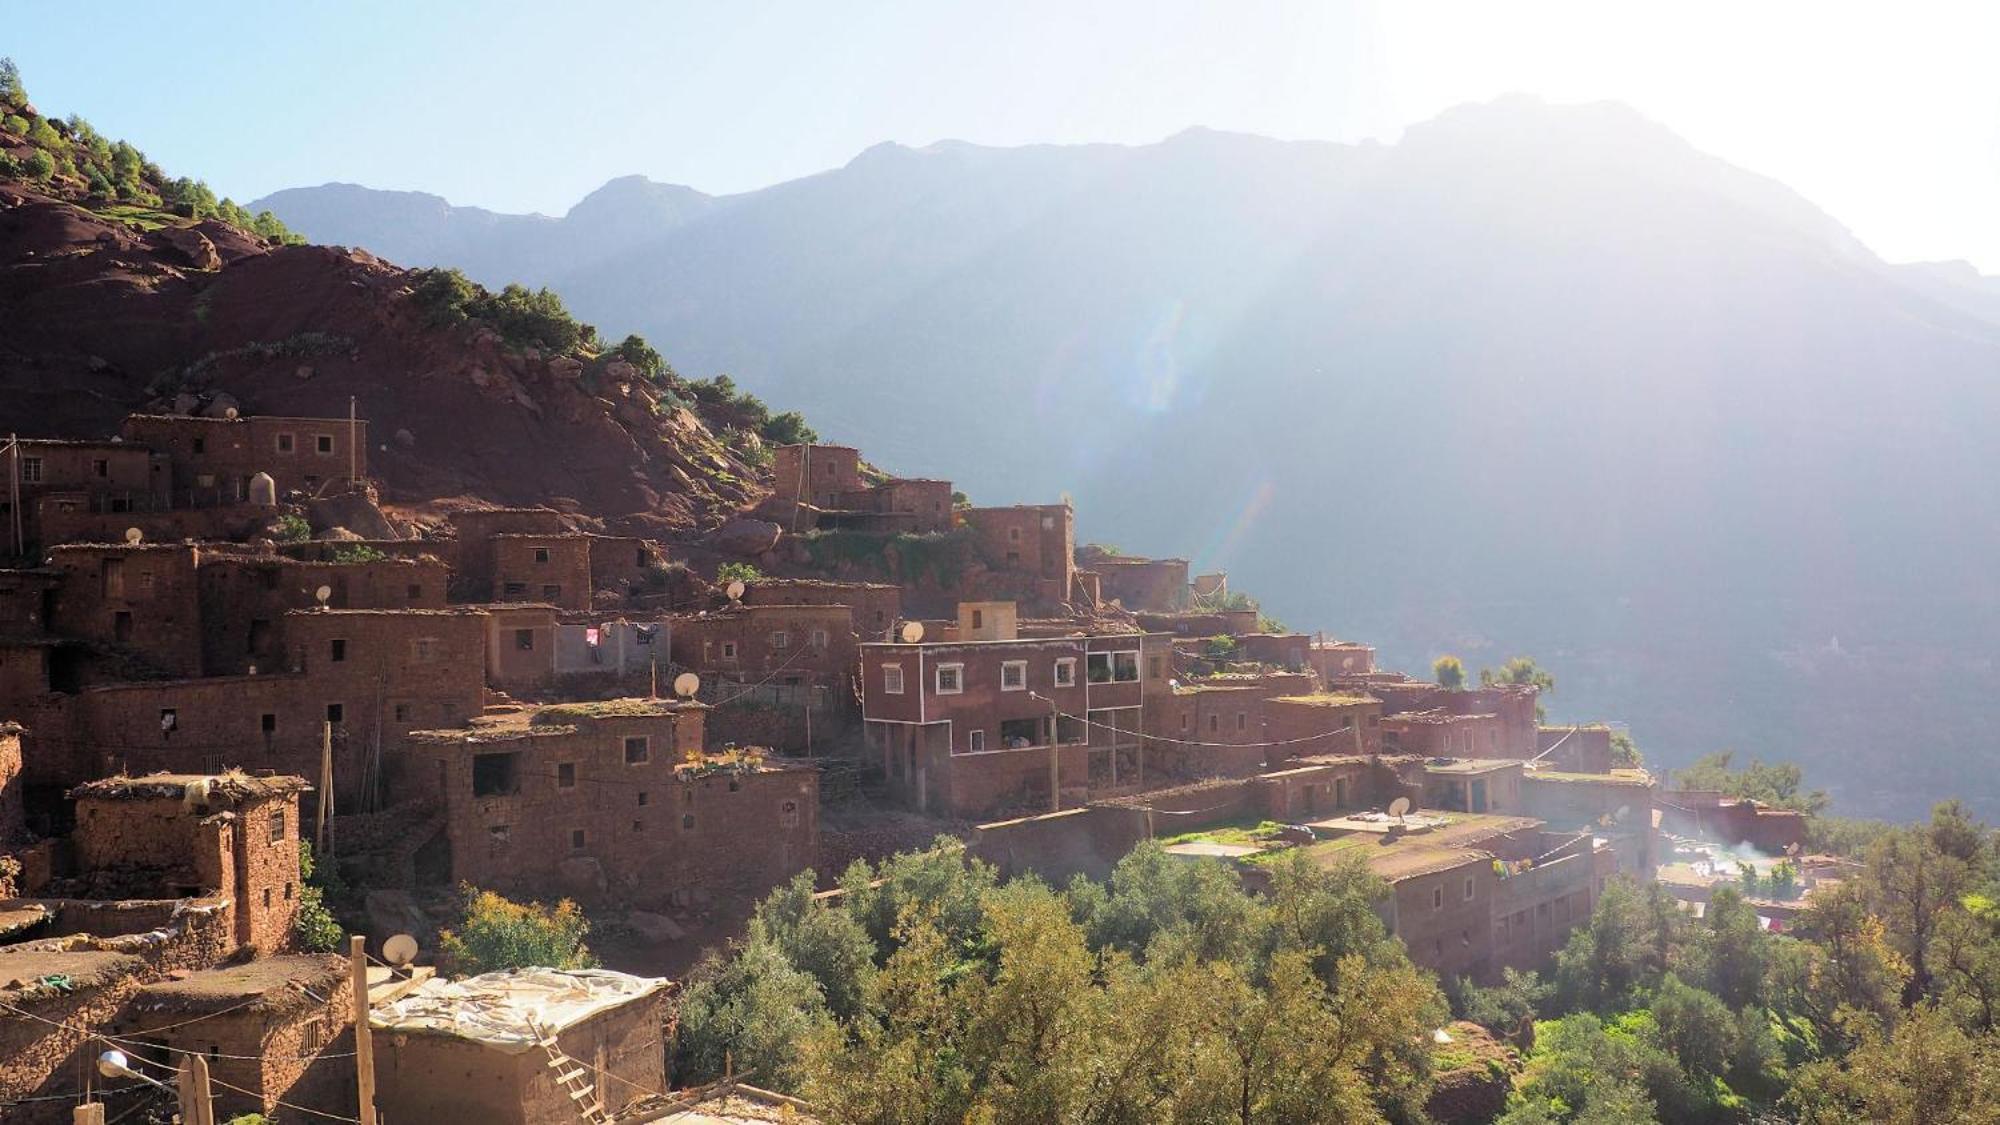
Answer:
(359, 553)
(318, 930)
(39, 165)
(293, 528)
(496, 933)
(737, 572)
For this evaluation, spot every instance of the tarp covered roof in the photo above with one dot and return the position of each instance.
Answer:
(501, 1009)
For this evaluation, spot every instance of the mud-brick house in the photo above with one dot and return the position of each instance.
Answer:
(275, 1030)
(95, 475)
(782, 644)
(214, 458)
(612, 799)
(473, 1049)
(166, 836)
(875, 607)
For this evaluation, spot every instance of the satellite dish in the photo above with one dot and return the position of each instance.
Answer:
(686, 684)
(913, 631)
(322, 594)
(735, 590)
(230, 413)
(400, 950)
(114, 1064)
(1400, 807)
(133, 535)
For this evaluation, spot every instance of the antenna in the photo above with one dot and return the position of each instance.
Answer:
(400, 950)
(913, 631)
(322, 594)
(1400, 808)
(133, 535)
(735, 590)
(686, 684)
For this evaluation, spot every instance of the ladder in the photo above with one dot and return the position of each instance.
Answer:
(570, 1075)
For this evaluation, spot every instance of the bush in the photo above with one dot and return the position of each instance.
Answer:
(359, 553)
(39, 165)
(1450, 672)
(293, 528)
(737, 572)
(318, 930)
(496, 933)
(16, 124)
(10, 82)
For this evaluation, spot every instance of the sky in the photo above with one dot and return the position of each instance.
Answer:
(1886, 115)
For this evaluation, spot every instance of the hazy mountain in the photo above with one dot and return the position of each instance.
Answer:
(1533, 379)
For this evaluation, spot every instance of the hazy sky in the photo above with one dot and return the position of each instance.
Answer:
(1887, 115)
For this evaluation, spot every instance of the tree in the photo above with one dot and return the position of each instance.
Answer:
(1449, 671)
(496, 933)
(1911, 885)
(1928, 1070)
(634, 350)
(1625, 752)
(39, 165)
(10, 82)
(1779, 784)
(788, 428)
(827, 944)
(1520, 671)
(751, 1009)
(316, 928)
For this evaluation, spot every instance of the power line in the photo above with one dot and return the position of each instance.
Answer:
(1191, 742)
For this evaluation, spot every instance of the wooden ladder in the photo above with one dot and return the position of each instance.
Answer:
(570, 1075)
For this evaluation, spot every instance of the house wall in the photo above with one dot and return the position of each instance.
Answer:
(244, 600)
(142, 599)
(787, 643)
(235, 449)
(293, 1056)
(815, 474)
(1325, 727)
(1334, 658)
(520, 647)
(1289, 651)
(1446, 931)
(13, 816)
(1153, 585)
(552, 569)
(874, 607)
(1036, 540)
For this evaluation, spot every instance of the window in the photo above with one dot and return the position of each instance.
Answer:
(170, 721)
(788, 814)
(1241, 720)
(339, 652)
(31, 470)
(976, 741)
(336, 713)
(524, 640)
(1437, 897)
(267, 905)
(1152, 667)
(323, 444)
(819, 638)
(1185, 718)
(401, 711)
(268, 723)
(541, 554)
(551, 592)
(121, 626)
(201, 445)
(260, 636)
(498, 833)
(513, 590)
(1066, 672)
(416, 593)
(637, 750)
(145, 583)
(642, 797)
(288, 892)
(285, 443)
(578, 839)
(1214, 724)
(638, 826)
(687, 823)
(781, 639)
(729, 650)
(496, 775)
(423, 650)
(1113, 667)
(565, 775)
(979, 619)
(1014, 675)
(892, 679)
(1013, 535)
(950, 679)
(1468, 888)
(100, 467)
(277, 825)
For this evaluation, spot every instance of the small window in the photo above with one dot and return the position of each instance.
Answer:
(1125, 667)
(268, 723)
(565, 775)
(323, 444)
(31, 470)
(339, 652)
(524, 640)
(336, 713)
(423, 650)
(819, 638)
(1066, 672)
(415, 593)
(578, 839)
(1097, 666)
(687, 822)
(100, 467)
(1013, 535)
(1468, 888)
(976, 741)
(1014, 675)
(979, 619)
(638, 826)
(637, 750)
(201, 445)
(729, 650)
(402, 712)
(121, 626)
(277, 825)
(1185, 719)
(267, 905)
(1152, 667)
(551, 592)
(541, 554)
(1241, 720)
(781, 639)
(288, 892)
(285, 443)
(513, 590)
(498, 833)
(170, 721)
(892, 679)
(950, 679)
(642, 798)
(1437, 898)
(1214, 724)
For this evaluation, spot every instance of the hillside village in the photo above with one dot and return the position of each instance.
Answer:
(459, 600)
(200, 670)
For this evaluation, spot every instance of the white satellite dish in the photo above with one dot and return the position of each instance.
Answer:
(913, 631)
(133, 535)
(686, 684)
(1400, 807)
(230, 413)
(400, 950)
(322, 594)
(735, 590)
(114, 1064)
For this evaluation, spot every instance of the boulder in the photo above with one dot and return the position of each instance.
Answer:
(338, 535)
(747, 537)
(352, 512)
(656, 928)
(223, 405)
(392, 912)
(192, 246)
(563, 367)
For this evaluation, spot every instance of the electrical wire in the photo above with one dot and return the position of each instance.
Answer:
(131, 1041)
(1187, 741)
(286, 1105)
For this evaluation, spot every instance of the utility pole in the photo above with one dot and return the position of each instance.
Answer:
(809, 720)
(89, 1113)
(323, 836)
(1055, 758)
(353, 446)
(364, 1045)
(14, 489)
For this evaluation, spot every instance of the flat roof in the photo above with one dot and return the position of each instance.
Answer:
(21, 969)
(234, 786)
(267, 984)
(1326, 699)
(495, 1009)
(1472, 765)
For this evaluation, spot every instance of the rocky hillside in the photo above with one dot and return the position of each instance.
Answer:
(141, 296)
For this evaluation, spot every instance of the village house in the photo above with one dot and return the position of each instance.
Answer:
(1340, 658)
(782, 644)
(520, 1047)
(1035, 542)
(244, 598)
(590, 799)
(1139, 584)
(141, 598)
(106, 476)
(875, 607)
(213, 459)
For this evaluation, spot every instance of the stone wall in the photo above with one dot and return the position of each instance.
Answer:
(140, 599)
